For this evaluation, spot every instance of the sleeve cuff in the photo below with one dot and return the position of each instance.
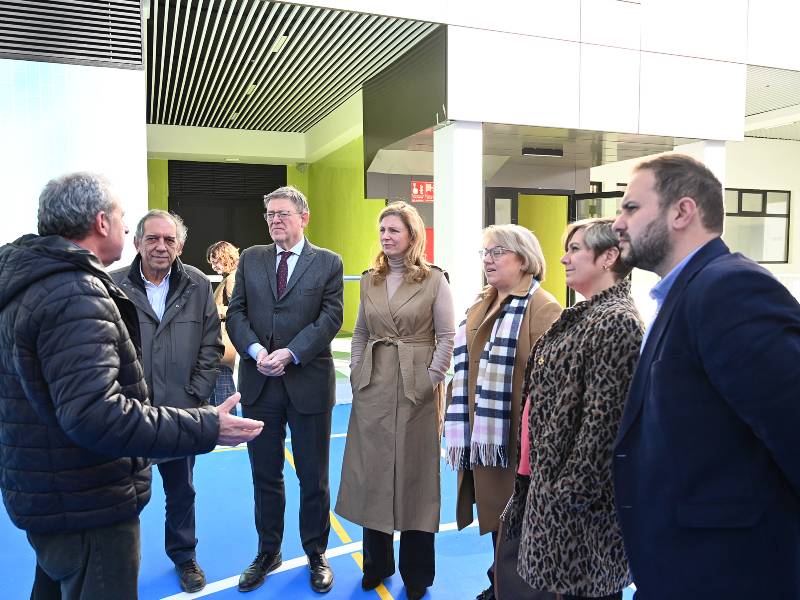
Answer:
(254, 349)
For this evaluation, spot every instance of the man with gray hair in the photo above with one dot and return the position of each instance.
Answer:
(286, 308)
(181, 350)
(74, 412)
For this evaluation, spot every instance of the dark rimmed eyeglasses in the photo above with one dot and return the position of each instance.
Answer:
(269, 217)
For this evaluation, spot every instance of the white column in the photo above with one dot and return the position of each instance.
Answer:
(709, 152)
(458, 208)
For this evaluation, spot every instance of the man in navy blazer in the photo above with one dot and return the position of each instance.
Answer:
(706, 462)
(285, 310)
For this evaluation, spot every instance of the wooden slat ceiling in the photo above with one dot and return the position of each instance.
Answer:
(213, 63)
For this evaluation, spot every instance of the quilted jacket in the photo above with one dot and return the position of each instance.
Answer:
(74, 415)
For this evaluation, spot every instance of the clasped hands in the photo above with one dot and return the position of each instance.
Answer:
(273, 364)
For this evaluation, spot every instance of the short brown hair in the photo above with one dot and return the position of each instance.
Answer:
(227, 253)
(678, 176)
(598, 236)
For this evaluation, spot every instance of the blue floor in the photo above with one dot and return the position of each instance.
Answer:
(228, 540)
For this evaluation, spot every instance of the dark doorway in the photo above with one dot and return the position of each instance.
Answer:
(221, 201)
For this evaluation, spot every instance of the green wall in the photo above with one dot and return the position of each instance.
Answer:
(341, 219)
(546, 217)
(297, 176)
(157, 184)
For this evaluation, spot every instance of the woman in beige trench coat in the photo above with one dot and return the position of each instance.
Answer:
(513, 264)
(402, 346)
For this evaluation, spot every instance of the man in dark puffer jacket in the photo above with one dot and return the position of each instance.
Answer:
(74, 412)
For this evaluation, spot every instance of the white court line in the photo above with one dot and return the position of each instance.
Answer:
(293, 563)
(243, 446)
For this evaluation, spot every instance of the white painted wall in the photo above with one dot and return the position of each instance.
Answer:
(57, 118)
(752, 163)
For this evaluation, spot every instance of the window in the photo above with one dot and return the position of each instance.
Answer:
(757, 223)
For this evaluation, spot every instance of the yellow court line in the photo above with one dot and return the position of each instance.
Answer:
(381, 590)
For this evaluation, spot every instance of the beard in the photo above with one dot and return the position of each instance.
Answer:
(651, 249)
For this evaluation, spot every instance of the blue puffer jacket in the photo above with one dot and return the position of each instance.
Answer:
(73, 401)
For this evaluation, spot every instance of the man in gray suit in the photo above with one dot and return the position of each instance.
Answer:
(285, 310)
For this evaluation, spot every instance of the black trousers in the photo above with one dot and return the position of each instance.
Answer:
(310, 447)
(417, 560)
(93, 564)
(179, 524)
(490, 571)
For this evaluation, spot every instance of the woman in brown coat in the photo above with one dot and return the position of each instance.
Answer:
(223, 258)
(514, 267)
(579, 373)
(401, 349)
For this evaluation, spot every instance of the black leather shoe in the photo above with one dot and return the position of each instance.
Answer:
(487, 594)
(370, 582)
(253, 576)
(414, 593)
(191, 575)
(321, 574)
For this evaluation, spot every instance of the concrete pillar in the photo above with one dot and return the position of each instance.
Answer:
(458, 208)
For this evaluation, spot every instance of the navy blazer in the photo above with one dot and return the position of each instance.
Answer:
(707, 459)
(305, 320)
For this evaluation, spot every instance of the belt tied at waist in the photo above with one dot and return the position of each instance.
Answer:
(405, 352)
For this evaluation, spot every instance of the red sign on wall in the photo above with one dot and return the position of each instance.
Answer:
(421, 191)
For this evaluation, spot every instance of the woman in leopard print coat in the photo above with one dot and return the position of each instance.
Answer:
(577, 380)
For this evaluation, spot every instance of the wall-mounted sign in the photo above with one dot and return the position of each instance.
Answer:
(421, 191)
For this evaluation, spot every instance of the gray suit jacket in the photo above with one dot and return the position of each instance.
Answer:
(304, 320)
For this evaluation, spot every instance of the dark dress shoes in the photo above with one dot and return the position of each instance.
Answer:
(191, 575)
(414, 593)
(321, 574)
(370, 582)
(253, 576)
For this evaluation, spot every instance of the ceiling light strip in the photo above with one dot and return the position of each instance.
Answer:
(265, 62)
(350, 26)
(348, 88)
(236, 89)
(413, 34)
(352, 58)
(308, 18)
(275, 80)
(235, 54)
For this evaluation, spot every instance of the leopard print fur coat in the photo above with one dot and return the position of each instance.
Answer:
(578, 377)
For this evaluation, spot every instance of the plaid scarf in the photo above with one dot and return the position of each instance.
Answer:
(487, 444)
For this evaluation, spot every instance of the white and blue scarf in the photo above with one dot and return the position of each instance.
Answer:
(487, 444)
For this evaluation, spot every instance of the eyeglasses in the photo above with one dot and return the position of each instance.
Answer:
(269, 217)
(495, 252)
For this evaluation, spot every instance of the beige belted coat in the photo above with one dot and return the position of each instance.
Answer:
(390, 471)
(489, 488)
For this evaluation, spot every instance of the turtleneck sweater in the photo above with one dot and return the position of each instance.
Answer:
(443, 323)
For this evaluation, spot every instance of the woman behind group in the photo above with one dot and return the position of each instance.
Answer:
(495, 340)
(576, 384)
(223, 258)
(401, 349)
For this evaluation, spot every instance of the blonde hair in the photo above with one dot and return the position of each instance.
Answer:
(520, 240)
(598, 236)
(227, 253)
(417, 268)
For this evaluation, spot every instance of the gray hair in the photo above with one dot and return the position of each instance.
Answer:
(69, 204)
(180, 228)
(598, 236)
(290, 193)
(522, 241)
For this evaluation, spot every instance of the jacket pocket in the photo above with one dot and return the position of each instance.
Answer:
(315, 291)
(719, 515)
